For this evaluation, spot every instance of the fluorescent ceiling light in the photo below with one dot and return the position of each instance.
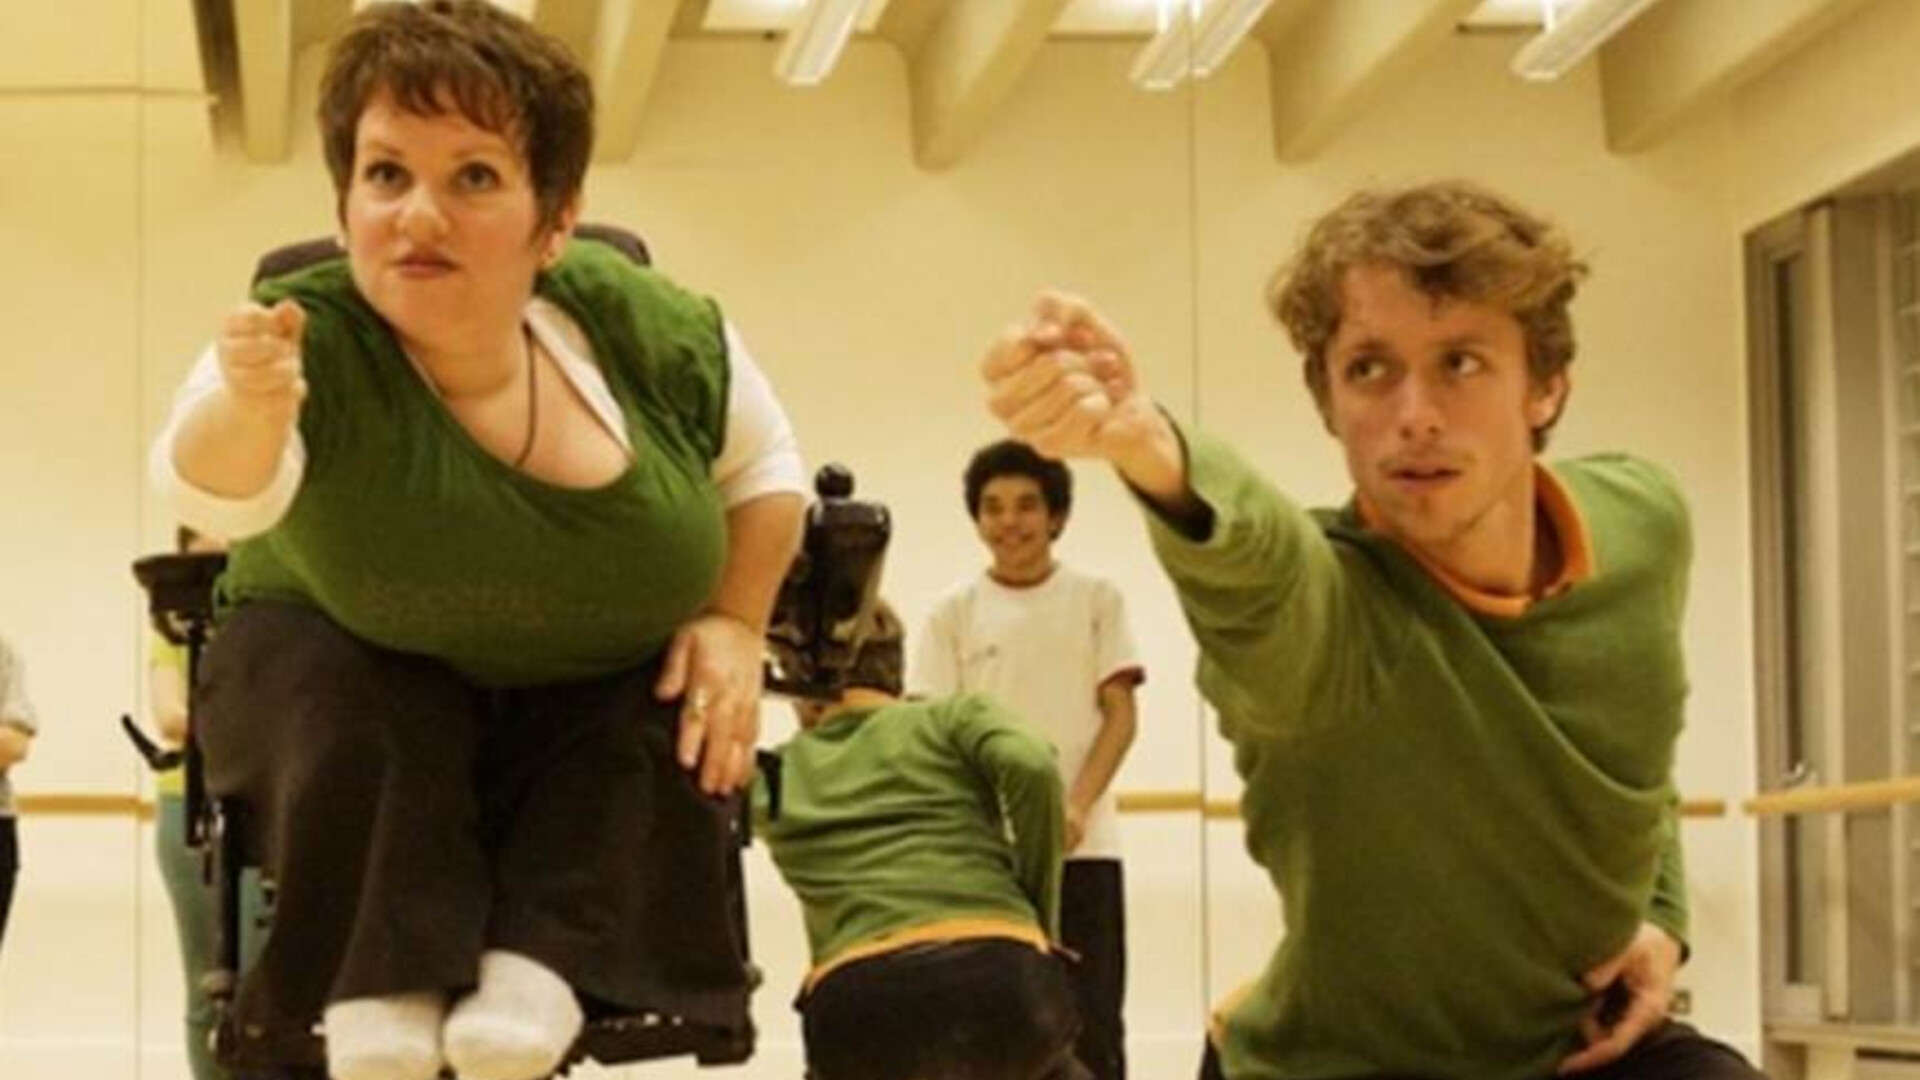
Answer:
(814, 44)
(1573, 33)
(762, 16)
(1196, 42)
(522, 8)
(1505, 15)
(1111, 18)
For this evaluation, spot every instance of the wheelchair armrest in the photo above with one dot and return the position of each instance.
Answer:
(180, 592)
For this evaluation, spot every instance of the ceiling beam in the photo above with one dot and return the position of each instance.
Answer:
(1678, 58)
(318, 20)
(968, 60)
(572, 21)
(263, 39)
(629, 38)
(1332, 59)
(907, 23)
(691, 18)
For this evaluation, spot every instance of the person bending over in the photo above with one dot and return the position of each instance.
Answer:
(923, 839)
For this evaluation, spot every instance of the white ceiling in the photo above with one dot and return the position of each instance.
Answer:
(768, 16)
(1667, 66)
(1082, 18)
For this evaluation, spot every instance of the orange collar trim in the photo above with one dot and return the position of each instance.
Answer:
(1562, 516)
(945, 930)
(1217, 1019)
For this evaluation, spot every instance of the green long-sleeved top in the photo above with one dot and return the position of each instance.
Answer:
(913, 815)
(1462, 813)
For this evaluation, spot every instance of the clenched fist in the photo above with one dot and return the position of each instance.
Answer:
(259, 352)
(1064, 383)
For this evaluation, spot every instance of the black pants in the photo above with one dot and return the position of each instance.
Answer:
(9, 868)
(1672, 1051)
(411, 820)
(1093, 923)
(964, 1010)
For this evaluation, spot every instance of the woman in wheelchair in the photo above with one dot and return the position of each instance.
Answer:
(509, 514)
(924, 841)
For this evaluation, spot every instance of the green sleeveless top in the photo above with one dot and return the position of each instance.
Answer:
(413, 537)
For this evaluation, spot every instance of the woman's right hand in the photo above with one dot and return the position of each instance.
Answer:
(259, 353)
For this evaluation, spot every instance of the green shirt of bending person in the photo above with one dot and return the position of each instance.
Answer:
(1454, 701)
(924, 841)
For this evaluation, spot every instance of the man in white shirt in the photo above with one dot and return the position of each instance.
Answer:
(1052, 643)
(17, 727)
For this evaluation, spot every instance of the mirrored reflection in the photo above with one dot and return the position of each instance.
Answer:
(70, 131)
(867, 255)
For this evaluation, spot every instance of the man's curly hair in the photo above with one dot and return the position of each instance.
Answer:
(1455, 241)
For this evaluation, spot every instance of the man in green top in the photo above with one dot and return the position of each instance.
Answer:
(924, 841)
(1453, 702)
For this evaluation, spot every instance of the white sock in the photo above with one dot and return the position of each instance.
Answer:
(396, 1037)
(516, 1025)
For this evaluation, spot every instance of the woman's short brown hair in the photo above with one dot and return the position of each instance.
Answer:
(491, 66)
(1453, 240)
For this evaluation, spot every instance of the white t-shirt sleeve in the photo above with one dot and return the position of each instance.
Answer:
(15, 709)
(1114, 650)
(217, 515)
(936, 658)
(758, 455)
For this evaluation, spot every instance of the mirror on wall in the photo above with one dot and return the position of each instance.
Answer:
(70, 424)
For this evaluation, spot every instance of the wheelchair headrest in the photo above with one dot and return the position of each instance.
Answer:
(180, 592)
(827, 601)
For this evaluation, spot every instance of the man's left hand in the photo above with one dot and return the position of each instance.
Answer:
(1630, 996)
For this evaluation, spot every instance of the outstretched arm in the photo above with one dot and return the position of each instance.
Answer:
(1065, 382)
(1021, 769)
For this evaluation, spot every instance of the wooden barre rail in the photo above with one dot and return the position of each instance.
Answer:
(1129, 802)
(1146, 802)
(73, 805)
(1837, 798)
(1179, 802)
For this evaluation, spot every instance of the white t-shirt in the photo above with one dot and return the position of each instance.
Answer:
(1044, 651)
(15, 710)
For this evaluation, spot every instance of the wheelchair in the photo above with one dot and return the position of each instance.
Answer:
(837, 567)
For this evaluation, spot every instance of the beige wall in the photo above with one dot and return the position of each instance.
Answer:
(1832, 112)
(867, 289)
